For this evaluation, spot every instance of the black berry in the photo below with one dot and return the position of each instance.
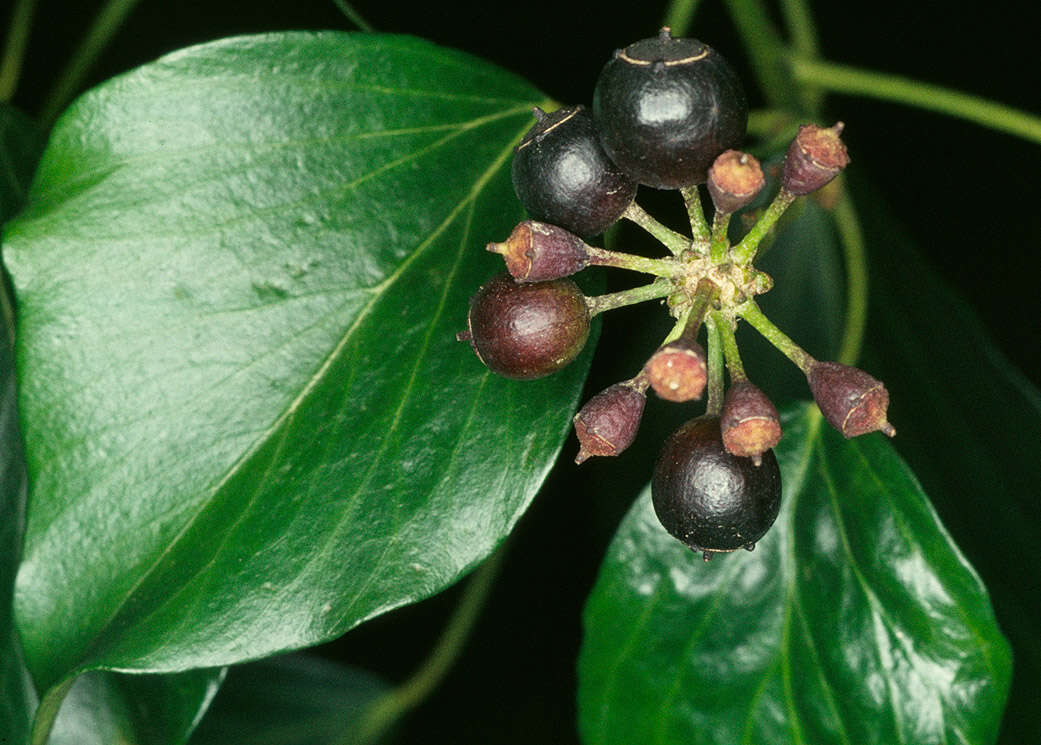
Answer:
(563, 176)
(527, 331)
(665, 108)
(710, 499)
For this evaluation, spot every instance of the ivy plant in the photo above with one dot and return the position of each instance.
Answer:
(236, 422)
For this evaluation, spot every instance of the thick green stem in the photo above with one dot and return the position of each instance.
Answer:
(105, 26)
(854, 81)
(765, 49)
(720, 244)
(679, 15)
(657, 267)
(745, 251)
(354, 16)
(657, 289)
(852, 239)
(14, 47)
(750, 311)
(672, 240)
(47, 712)
(715, 367)
(730, 350)
(388, 709)
(695, 213)
(798, 19)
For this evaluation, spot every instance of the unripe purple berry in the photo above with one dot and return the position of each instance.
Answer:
(852, 401)
(538, 251)
(749, 422)
(527, 331)
(608, 422)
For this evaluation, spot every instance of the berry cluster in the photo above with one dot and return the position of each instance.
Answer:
(668, 114)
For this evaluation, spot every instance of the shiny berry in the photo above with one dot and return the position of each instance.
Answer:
(666, 107)
(527, 331)
(710, 499)
(563, 176)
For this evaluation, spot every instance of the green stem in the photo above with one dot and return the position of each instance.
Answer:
(854, 81)
(47, 712)
(14, 49)
(657, 267)
(696, 214)
(730, 350)
(745, 251)
(353, 15)
(715, 367)
(751, 312)
(668, 237)
(679, 14)
(718, 249)
(855, 255)
(105, 26)
(765, 48)
(389, 708)
(656, 289)
(798, 19)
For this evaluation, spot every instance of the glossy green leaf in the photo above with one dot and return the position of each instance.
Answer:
(289, 700)
(19, 148)
(970, 426)
(103, 708)
(855, 620)
(249, 424)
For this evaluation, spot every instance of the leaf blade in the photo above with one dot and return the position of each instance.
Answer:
(806, 639)
(253, 385)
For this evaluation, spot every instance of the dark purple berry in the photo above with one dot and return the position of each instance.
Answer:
(733, 180)
(814, 158)
(710, 499)
(749, 422)
(852, 401)
(527, 331)
(678, 371)
(665, 108)
(537, 251)
(608, 422)
(563, 176)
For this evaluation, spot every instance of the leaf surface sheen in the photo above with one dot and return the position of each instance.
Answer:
(855, 619)
(250, 426)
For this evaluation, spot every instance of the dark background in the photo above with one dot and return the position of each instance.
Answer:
(965, 195)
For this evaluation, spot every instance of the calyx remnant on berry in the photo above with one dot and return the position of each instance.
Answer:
(749, 422)
(678, 371)
(562, 175)
(527, 331)
(666, 108)
(710, 499)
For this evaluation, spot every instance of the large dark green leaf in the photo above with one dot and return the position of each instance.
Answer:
(249, 425)
(855, 620)
(970, 425)
(19, 149)
(289, 700)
